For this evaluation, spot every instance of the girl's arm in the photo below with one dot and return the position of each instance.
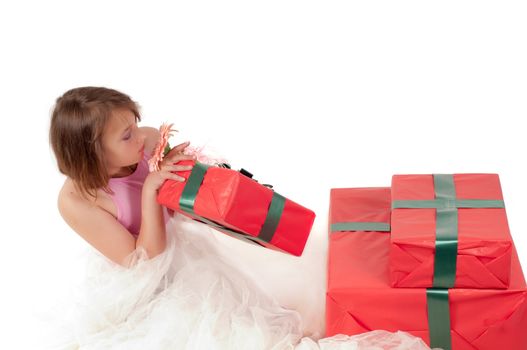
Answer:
(152, 232)
(152, 235)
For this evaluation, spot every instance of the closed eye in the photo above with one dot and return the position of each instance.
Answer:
(130, 129)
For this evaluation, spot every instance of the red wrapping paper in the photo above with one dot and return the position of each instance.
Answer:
(484, 241)
(360, 298)
(240, 203)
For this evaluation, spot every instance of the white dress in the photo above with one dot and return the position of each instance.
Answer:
(187, 298)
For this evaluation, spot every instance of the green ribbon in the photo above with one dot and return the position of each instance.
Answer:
(439, 318)
(446, 205)
(273, 217)
(188, 199)
(167, 149)
(360, 226)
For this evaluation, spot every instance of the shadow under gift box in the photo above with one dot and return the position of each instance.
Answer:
(239, 206)
(359, 296)
(449, 231)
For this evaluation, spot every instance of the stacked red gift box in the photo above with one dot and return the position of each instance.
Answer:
(431, 256)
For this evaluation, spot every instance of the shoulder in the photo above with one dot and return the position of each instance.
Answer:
(68, 192)
(70, 201)
(95, 225)
(152, 137)
(72, 206)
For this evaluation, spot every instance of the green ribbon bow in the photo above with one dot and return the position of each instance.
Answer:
(446, 205)
(188, 198)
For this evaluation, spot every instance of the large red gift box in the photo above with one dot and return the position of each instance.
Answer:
(449, 231)
(238, 205)
(360, 298)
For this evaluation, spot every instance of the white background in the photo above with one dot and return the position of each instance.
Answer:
(307, 95)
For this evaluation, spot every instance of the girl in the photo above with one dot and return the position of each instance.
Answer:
(98, 145)
(155, 280)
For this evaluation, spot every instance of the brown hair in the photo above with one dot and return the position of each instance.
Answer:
(77, 124)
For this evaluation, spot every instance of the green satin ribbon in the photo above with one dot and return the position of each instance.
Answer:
(272, 218)
(439, 318)
(167, 149)
(446, 206)
(188, 199)
(360, 226)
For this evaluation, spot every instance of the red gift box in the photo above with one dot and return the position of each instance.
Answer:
(238, 205)
(423, 205)
(360, 298)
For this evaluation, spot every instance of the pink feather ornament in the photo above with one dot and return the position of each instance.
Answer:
(162, 147)
(204, 156)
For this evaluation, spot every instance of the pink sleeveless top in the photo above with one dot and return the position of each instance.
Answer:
(127, 197)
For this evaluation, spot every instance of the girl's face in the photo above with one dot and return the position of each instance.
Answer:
(122, 141)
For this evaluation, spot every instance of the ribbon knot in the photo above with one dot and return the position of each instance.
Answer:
(450, 203)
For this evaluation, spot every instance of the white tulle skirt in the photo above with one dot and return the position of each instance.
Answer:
(187, 298)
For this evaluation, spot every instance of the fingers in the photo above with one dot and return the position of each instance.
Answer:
(167, 171)
(178, 149)
(175, 167)
(179, 157)
(166, 175)
(175, 177)
(182, 146)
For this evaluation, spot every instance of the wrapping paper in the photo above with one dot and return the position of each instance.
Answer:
(484, 244)
(241, 207)
(360, 298)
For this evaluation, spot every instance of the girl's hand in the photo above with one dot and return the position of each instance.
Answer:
(155, 179)
(179, 149)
